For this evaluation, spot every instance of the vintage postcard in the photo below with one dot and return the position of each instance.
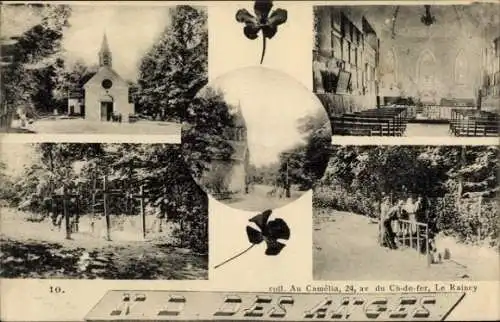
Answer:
(249, 161)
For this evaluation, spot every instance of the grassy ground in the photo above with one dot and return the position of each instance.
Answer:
(346, 248)
(81, 126)
(33, 250)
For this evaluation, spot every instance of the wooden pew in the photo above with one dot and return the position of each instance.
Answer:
(352, 127)
(387, 121)
(398, 123)
(356, 125)
(474, 123)
(472, 127)
(383, 126)
(398, 114)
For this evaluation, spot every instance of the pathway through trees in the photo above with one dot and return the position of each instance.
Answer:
(346, 248)
(258, 197)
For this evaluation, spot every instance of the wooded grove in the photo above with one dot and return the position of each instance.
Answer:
(39, 75)
(31, 80)
(158, 168)
(449, 178)
(176, 67)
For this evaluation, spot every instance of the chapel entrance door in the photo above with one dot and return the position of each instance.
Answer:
(106, 111)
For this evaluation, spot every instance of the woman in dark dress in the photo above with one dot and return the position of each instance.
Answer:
(393, 215)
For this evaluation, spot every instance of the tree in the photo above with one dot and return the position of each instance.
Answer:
(7, 186)
(159, 168)
(447, 177)
(203, 139)
(173, 186)
(29, 79)
(69, 78)
(306, 163)
(175, 68)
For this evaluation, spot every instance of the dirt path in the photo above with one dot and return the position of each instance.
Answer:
(81, 126)
(258, 200)
(33, 250)
(346, 248)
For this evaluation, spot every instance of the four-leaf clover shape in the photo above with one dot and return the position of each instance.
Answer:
(269, 232)
(264, 20)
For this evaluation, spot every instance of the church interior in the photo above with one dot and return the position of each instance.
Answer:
(409, 70)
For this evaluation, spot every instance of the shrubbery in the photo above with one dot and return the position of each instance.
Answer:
(344, 201)
(450, 180)
(461, 219)
(158, 168)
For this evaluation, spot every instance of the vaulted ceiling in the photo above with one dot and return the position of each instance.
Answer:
(478, 19)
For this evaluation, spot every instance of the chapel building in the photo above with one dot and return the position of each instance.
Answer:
(106, 95)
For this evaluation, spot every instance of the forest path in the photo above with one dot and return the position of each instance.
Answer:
(33, 250)
(346, 248)
(258, 200)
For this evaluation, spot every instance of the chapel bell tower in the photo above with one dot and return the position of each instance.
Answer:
(105, 58)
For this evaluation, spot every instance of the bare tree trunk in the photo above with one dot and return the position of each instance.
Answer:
(460, 176)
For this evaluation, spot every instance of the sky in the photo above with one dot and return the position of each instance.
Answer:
(272, 103)
(131, 31)
(16, 20)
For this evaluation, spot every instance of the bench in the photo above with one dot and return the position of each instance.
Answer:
(379, 126)
(397, 117)
(354, 128)
(474, 123)
(390, 121)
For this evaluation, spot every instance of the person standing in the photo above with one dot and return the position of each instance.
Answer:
(411, 209)
(393, 215)
(385, 206)
(414, 216)
(161, 215)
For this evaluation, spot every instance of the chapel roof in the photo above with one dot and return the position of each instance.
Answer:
(103, 69)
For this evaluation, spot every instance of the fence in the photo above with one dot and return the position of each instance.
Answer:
(442, 113)
(413, 233)
(101, 205)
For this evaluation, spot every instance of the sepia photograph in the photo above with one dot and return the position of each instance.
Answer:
(108, 69)
(409, 70)
(256, 139)
(100, 211)
(412, 213)
(249, 160)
